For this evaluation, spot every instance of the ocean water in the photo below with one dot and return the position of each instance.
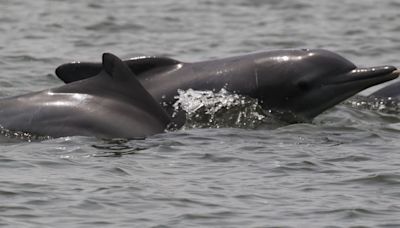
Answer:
(341, 170)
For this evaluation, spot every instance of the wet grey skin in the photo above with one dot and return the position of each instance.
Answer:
(111, 104)
(298, 84)
(390, 91)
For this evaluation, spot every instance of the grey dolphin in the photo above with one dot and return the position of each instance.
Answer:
(112, 104)
(299, 84)
(390, 91)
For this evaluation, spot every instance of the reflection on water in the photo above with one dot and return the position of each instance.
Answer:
(116, 148)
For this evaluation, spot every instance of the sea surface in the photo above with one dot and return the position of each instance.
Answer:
(341, 170)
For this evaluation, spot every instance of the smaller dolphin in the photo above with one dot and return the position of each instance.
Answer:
(390, 91)
(112, 104)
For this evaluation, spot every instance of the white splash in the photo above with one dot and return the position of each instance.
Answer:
(219, 109)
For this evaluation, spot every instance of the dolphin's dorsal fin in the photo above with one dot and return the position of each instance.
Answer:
(76, 71)
(115, 68)
(139, 96)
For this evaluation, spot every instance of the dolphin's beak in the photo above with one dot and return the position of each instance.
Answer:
(366, 77)
(344, 86)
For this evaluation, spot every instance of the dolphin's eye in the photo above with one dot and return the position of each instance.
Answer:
(304, 86)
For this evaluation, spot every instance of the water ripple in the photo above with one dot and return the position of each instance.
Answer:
(377, 179)
(338, 171)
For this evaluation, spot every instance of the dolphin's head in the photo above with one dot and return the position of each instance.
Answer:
(306, 82)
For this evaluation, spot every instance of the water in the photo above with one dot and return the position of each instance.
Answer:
(341, 170)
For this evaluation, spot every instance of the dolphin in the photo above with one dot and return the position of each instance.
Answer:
(295, 84)
(391, 91)
(111, 104)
